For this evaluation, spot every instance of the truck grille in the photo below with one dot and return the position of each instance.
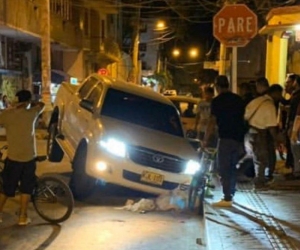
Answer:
(156, 159)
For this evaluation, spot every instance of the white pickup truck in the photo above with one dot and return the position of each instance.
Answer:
(119, 133)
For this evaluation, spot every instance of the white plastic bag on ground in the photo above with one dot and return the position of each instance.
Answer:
(174, 200)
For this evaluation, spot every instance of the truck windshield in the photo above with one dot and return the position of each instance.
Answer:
(142, 111)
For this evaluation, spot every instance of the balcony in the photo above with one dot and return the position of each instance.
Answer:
(21, 20)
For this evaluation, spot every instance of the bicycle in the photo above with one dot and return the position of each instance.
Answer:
(52, 198)
(201, 180)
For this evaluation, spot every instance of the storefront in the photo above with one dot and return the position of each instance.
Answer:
(283, 43)
(15, 66)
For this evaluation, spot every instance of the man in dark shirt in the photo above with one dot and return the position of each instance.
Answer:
(227, 112)
(288, 112)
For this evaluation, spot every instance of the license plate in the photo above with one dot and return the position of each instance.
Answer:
(153, 178)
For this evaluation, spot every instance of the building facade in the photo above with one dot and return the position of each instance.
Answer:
(283, 43)
(84, 38)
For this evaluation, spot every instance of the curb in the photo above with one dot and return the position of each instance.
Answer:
(206, 230)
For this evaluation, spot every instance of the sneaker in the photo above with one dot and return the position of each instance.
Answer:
(24, 220)
(222, 203)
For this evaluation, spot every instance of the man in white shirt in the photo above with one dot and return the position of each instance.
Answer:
(261, 115)
(20, 164)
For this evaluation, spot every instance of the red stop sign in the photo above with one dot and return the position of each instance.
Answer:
(235, 25)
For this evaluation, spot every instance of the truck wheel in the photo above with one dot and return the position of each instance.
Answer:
(81, 184)
(54, 152)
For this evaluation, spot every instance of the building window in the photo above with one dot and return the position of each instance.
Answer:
(61, 8)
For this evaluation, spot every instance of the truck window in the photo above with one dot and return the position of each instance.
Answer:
(87, 87)
(142, 111)
(94, 96)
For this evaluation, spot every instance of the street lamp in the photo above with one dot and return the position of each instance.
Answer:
(160, 25)
(193, 53)
(176, 52)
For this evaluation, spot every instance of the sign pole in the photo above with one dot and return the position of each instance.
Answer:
(234, 69)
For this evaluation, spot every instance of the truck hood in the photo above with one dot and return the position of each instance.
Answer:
(137, 135)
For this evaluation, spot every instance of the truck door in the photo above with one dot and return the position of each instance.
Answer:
(89, 117)
(73, 111)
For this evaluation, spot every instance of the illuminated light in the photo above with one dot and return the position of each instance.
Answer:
(193, 53)
(73, 80)
(103, 72)
(297, 27)
(192, 167)
(176, 52)
(114, 146)
(161, 25)
(101, 166)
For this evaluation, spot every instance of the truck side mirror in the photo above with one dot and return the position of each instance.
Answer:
(87, 104)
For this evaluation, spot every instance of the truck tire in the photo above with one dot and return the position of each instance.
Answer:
(54, 152)
(81, 184)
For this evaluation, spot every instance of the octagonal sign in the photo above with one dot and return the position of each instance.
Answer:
(235, 25)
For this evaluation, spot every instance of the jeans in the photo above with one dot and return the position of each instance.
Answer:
(296, 155)
(229, 153)
(264, 156)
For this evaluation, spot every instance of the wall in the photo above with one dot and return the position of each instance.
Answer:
(24, 15)
(251, 60)
(73, 64)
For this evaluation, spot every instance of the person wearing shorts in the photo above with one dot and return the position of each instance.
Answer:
(20, 165)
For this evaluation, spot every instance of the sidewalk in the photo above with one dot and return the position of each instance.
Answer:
(257, 220)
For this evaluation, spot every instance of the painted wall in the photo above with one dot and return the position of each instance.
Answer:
(25, 16)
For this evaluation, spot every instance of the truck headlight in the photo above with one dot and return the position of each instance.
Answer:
(114, 146)
(192, 167)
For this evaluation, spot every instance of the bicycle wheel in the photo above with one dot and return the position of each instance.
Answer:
(194, 191)
(196, 196)
(193, 195)
(201, 202)
(53, 199)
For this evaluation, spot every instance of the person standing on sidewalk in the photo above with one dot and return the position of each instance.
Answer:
(227, 112)
(295, 145)
(203, 112)
(286, 121)
(291, 115)
(20, 164)
(262, 117)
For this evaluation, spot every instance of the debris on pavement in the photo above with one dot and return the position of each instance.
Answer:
(176, 200)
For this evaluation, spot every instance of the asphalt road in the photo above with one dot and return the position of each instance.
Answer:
(97, 224)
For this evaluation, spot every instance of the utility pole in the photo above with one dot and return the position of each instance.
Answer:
(135, 53)
(46, 53)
